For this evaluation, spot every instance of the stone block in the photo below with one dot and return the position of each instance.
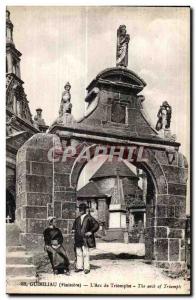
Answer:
(163, 159)
(162, 265)
(21, 200)
(50, 209)
(41, 168)
(175, 233)
(175, 174)
(32, 242)
(182, 254)
(163, 199)
(41, 184)
(63, 225)
(12, 235)
(170, 211)
(161, 211)
(180, 211)
(36, 199)
(149, 249)
(182, 161)
(21, 154)
(58, 209)
(177, 189)
(182, 243)
(18, 214)
(38, 155)
(161, 249)
(174, 249)
(161, 232)
(69, 210)
(20, 185)
(43, 140)
(34, 225)
(150, 232)
(22, 168)
(176, 200)
(70, 225)
(37, 212)
(64, 167)
(149, 222)
(171, 222)
(61, 180)
(65, 196)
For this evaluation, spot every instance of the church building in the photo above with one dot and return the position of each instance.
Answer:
(98, 193)
(19, 123)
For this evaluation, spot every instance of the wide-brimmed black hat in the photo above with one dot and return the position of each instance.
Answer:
(82, 206)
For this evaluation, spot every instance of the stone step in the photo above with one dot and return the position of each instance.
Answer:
(20, 270)
(19, 258)
(15, 248)
(12, 235)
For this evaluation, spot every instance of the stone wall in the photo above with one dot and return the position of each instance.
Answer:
(47, 187)
(43, 190)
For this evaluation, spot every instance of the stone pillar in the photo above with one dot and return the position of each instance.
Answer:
(170, 215)
(34, 184)
(43, 190)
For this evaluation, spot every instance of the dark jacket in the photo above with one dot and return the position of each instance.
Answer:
(52, 234)
(89, 224)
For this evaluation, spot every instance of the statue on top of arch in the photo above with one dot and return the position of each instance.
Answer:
(65, 106)
(122, 46)
(65, 116)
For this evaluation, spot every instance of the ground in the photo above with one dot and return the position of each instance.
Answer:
(115, 270)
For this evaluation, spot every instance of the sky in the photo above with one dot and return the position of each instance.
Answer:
(74, 44)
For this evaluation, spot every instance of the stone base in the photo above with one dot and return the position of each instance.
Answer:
(172, 267)
(115, 235)
(12, 235)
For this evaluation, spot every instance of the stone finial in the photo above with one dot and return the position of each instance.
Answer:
(38, 120)
(122, 46)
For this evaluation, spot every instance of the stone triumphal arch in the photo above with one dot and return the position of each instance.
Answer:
(49, 165)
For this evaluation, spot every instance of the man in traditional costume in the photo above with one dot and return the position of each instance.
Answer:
(84, 228)
(54, 246)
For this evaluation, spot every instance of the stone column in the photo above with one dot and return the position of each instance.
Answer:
(34, 182)
(170, 215)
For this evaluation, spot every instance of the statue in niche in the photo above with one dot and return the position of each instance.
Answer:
(122, 46)
(164, 116)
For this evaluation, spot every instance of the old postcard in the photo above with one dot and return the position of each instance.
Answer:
(98, 150)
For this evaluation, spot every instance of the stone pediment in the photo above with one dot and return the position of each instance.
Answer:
(118, 76)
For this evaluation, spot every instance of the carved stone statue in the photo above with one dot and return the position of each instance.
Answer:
(164, 116)
(65, 106)
(9, 129)
(65, 116)
(122, 46)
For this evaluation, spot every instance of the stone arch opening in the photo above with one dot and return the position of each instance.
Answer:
(152, 187)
